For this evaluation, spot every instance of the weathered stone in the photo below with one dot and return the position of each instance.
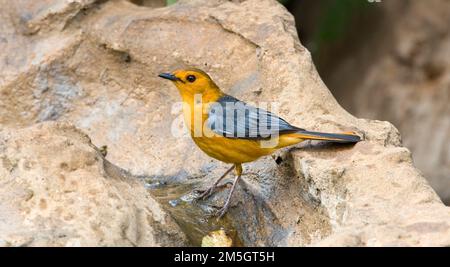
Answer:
(101, 76)
(58, 190)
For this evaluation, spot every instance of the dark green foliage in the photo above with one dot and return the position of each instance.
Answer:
(170, 2)
(338, 15)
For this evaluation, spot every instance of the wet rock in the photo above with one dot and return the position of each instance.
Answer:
(174, 202)
(100, 74)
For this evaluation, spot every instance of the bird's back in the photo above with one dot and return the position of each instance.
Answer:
(235, 132)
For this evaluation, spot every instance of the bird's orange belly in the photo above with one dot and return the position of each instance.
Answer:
(232, 150)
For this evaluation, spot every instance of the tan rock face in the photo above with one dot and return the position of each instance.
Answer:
(57, 190)
(99, 73)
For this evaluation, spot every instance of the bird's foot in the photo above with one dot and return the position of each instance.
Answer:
(204, 194)
(222, 211)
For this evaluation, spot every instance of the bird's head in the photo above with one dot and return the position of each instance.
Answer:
(191, 81)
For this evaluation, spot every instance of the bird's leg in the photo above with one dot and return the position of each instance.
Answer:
(225, 207)
(208, 192)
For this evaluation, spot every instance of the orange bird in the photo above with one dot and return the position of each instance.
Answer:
(232, 131)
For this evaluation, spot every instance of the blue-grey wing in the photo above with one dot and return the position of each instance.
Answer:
(233, 118)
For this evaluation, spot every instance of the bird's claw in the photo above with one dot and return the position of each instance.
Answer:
(204, 194)
(220, 213)
(208, 192)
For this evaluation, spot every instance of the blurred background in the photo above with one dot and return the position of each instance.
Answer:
(385, 60)
(388, 60)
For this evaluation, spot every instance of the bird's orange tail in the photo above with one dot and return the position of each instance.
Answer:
(330, 137)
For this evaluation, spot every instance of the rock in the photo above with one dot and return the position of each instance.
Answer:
(217, 238)
(58, 190)
(405, 79)
(100, 74)
(150, 3)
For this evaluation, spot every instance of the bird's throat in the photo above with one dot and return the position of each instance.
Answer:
(195, 111)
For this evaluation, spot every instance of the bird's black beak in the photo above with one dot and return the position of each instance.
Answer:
(168, 76)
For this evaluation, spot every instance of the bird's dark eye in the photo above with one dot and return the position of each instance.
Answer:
(190, 78)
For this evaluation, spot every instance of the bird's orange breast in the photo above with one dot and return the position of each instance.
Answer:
(231, 150)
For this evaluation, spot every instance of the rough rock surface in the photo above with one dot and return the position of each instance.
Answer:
(58, 190)
(406, 79)
(99, 72)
